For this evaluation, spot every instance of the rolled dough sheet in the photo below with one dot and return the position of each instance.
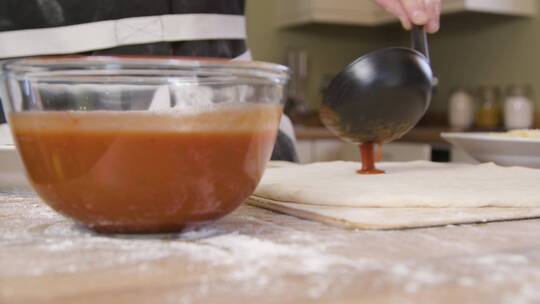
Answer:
(394, 218)
(405, 185)
(410, 195)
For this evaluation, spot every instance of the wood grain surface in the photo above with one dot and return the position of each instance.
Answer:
(255, 255)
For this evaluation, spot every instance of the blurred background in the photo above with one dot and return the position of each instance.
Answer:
(485, 55)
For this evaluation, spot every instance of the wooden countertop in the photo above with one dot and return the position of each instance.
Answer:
(419, 134)
(254, 255)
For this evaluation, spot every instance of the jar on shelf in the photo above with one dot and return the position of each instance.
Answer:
(518, 108)
(488, 116)
(461, 109)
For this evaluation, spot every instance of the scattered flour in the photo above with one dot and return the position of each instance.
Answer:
(254, 258)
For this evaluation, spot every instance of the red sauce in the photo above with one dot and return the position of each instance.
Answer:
(367, 154)
(145, 172)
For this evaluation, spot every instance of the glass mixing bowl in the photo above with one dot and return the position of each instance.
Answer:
(143, 145)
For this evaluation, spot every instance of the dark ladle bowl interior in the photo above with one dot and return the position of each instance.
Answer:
(382, 95)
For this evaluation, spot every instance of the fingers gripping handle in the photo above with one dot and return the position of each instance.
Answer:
(419, 40)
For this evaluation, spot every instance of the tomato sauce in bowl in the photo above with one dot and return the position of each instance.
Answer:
(145, 171)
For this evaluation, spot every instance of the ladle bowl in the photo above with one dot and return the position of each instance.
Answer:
(382, 95)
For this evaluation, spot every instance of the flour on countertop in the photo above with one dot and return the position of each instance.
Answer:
(254, 250)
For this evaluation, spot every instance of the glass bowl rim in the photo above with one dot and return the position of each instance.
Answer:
(48, 65)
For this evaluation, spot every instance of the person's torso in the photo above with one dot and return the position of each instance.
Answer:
(202, 28)
(199, 28)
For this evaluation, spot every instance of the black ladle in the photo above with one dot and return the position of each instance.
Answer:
(382, 95)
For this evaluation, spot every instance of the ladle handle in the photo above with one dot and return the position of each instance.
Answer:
(419, 40)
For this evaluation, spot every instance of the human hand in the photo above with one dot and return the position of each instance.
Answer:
(417, 12)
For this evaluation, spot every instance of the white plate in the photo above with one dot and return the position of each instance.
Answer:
(11, 167)
(502, 150)
(5, 135)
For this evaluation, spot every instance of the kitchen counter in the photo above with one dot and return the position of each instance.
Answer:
(254, 255)
(430, 135)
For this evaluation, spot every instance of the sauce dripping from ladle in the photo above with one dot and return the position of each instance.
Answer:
(367, 154)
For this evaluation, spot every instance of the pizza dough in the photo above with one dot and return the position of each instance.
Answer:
(406, 185)
(394, 218)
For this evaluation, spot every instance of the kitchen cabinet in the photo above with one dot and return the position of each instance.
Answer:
(316, 144)
(318, 150)
(457, 155)
(366, 13)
